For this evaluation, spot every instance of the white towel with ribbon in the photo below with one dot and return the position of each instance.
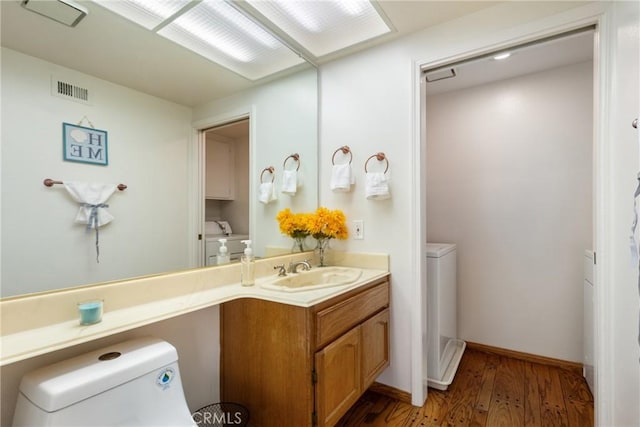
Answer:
(289, 182)
(376, 186)
(266, 193)
(92, 198)
(342, 178)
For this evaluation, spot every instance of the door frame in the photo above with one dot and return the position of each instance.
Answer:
(197, 168)
(594, 14)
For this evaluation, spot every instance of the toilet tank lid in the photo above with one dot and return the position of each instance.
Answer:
(64, 383)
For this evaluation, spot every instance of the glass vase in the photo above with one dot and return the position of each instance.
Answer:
(299, 244)
(321, 249)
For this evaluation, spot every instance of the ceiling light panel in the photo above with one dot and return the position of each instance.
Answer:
(220, 33)
(324, 26)
(148, 13)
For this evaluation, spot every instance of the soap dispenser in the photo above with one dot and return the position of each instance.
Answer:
(247, 266)
(223, 252)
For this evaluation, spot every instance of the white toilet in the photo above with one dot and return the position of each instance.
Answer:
(134, 383)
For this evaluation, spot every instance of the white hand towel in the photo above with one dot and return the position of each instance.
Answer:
(92, 197)
(289, 182)
(342, 178)
(266, 193)
(376, 186)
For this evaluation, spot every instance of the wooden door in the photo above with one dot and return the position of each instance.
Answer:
(339, 377)
(374, 347)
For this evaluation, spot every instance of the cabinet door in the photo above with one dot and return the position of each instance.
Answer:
(219, 182)
(339, 377)
(375, 347)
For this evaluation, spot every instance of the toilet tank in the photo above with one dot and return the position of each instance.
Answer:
(136, 382)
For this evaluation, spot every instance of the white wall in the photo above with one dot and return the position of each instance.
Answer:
(147, 140)
(284, 121)
(509, 180)
(368, 103)
(195, 336)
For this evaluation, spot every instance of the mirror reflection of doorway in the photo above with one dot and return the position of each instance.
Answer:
(226, 188)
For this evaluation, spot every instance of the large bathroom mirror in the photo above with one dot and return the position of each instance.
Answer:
(111, 76)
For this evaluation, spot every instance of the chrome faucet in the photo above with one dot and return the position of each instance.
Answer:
(281, 270)
(293, 266)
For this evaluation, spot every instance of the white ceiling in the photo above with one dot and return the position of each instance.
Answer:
(112, 48)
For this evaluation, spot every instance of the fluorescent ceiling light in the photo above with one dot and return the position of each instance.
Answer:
(239, 35)
(212, 29)
(147, 13)
(66, 12)
(323, 27)
(220, 33)
(354, 7)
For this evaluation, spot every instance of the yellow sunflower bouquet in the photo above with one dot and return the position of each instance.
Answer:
(328, 224)
(294, 225)
(323, 225)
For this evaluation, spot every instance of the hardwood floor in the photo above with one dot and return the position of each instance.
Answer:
(489, 390)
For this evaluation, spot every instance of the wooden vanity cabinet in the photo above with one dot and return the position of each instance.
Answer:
(297, 366)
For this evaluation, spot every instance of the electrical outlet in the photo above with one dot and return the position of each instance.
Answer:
(358, 229)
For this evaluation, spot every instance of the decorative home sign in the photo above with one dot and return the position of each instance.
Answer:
(85, 145)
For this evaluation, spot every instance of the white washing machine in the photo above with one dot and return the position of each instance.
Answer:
(213, 233)
(444, 348)
(235, 247)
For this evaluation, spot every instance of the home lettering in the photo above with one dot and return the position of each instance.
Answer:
(91, 150)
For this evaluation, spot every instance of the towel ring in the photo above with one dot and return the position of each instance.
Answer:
(270, 169)
(294, 156)
(49, 183)
(345, 150)
(379, 157)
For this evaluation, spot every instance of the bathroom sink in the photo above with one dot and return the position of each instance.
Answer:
(316, 278)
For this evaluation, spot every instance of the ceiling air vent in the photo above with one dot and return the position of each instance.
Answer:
(440, 74)
(67, 90)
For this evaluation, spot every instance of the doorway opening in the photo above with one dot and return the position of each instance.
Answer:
(226, 213)
(508, 154)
